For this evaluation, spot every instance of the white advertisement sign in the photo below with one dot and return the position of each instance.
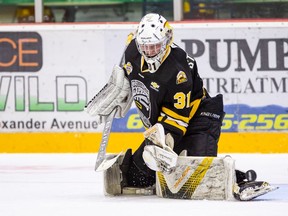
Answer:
(49, 72)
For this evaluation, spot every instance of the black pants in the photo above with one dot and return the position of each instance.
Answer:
(203, 132)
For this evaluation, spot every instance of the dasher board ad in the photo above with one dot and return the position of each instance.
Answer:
(49, 72)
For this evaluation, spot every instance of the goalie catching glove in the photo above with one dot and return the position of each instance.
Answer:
(116, 93)
(159, 155)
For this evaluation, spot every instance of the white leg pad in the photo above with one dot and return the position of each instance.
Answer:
(197, 178)
(113, 177)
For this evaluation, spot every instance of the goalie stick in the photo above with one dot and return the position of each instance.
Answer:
(103, 161)
(101, 157)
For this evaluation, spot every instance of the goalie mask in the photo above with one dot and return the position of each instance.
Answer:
(153, 38)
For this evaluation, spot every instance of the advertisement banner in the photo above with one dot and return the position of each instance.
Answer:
(48, 75)
(248, 64)
(49, 72)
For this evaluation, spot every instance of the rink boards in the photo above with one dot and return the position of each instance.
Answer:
(46, 80)
(89, 142)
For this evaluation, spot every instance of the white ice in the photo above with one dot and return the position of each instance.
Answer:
(67, 185)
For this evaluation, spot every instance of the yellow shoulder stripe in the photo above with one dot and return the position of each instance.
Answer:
(129, 38)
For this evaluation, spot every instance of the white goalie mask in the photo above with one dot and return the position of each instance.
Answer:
(153, 38)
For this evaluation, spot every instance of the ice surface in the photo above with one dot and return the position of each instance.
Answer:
(67, 185)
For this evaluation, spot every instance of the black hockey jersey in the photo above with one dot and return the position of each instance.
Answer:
(171, 95)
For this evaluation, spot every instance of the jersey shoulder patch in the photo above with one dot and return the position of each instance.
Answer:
(181, 77)
(128, 67)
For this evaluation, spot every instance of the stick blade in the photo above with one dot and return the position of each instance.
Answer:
(107, 162)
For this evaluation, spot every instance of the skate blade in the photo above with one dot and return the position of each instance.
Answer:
(250, 193)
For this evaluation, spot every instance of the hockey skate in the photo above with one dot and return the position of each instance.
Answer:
(242, 176)
(116, 182)
(249, 190)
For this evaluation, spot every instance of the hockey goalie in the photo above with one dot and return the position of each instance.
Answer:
(178, 156)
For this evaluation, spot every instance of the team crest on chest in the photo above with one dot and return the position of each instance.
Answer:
(181, 77)
(129, 68)
(141, 97)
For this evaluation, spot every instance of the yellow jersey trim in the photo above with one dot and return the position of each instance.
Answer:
(173, 123)
(175, 115)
